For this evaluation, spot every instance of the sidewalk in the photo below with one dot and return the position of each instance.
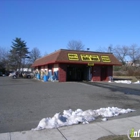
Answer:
(90, 131)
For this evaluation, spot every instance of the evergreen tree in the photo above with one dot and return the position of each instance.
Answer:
(18, 53)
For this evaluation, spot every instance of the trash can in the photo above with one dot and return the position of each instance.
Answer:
(45, 78)
(38, 76)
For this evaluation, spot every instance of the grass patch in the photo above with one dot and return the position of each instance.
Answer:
(118, 137)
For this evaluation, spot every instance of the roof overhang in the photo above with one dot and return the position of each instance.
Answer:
(77, 57)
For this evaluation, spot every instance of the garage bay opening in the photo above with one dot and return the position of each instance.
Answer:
(78, 73)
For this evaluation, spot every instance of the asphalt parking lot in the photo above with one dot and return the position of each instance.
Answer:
(24, 102)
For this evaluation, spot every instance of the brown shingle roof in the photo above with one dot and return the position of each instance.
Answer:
(73, 56)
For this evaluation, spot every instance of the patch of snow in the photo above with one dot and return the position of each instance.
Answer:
(104, 119)
(138, 82)
(70, 117)
(123, 81)
(12, 74)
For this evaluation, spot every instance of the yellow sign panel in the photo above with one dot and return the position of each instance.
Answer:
(90, 64)
(72, 56)
(94, 58)
(105, 59)
(86, 57)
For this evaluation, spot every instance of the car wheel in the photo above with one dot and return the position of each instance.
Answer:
(29, 76)
(14, 77)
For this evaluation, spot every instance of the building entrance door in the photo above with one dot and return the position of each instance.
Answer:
(103, 73)
(77, 72)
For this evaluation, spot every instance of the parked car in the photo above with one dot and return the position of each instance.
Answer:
(1, 73)
(13, 75)
(27, 75)
(21, 74)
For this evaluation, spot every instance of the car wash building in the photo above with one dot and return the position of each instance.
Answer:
(72, 65)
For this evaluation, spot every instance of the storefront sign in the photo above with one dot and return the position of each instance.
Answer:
(90, 64)
(94, 58)
(86, 57)
(73, 56)
(105, 59)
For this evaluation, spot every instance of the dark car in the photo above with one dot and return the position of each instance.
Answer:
(1, 73)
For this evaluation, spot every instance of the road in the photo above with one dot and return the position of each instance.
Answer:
(24, 102)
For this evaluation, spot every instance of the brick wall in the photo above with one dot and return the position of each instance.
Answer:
(96, 73)
(109, 72)
(62, 73)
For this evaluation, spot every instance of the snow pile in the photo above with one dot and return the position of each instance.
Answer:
(70, 117)
(123, 81)
(138, 82)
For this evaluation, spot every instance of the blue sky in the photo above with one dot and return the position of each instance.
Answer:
(50, 24)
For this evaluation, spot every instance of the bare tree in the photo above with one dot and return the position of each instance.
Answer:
(4, 60)
(3, 53)
(134, 53)
(121, 52)
(110, 48)
(45, 54)
(34, 54)
(102, 49)
(75, 45)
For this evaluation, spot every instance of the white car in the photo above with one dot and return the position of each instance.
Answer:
(21, 74)
(27, 75)
(13, 75)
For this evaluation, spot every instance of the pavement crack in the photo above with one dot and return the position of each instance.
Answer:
(62, 134)
(133, 121)
(105, 128)
(10, 136)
